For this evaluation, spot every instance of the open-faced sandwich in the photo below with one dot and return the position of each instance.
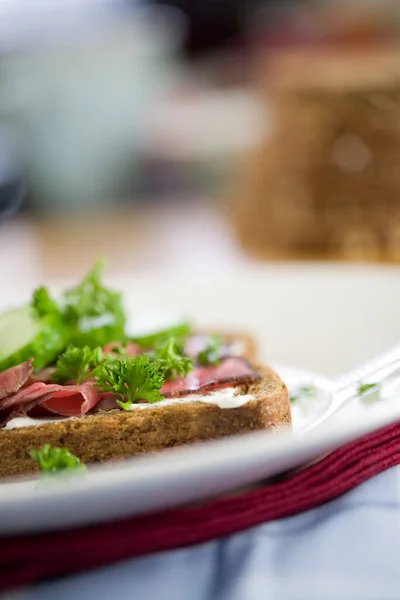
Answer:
(72, 378)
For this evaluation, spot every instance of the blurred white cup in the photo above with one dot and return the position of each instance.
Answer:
(78, 82)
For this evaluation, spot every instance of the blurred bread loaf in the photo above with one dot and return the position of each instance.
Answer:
(326, 181)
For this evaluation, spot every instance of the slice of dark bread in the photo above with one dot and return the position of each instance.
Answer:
(118, 434)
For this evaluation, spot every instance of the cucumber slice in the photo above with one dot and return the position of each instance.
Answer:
(23, 336)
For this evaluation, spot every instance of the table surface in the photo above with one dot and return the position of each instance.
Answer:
(185, 235)
(189, 235)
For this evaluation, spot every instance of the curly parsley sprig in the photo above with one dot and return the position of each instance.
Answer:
(52, 460)
(130, 379)
(171, 359)
(77, 364)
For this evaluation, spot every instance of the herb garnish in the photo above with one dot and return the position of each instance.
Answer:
(90, 298)
(366, 387)
(77, 364)
(42, 304)
(180, 331)
(131, 379)
(53, 460)
(93, 314)
(303, 390)
(171, 359)
(210, 354)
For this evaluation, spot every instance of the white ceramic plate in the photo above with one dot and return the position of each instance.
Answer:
(34, 495)
(259, 301)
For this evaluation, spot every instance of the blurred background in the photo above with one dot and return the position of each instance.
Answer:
(197, 135)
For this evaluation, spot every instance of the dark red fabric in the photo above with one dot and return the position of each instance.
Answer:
(27, 559)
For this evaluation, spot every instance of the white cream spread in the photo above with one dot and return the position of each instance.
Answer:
(29, 422)
(225, 398)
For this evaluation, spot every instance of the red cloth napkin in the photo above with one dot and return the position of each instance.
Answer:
(27, 559)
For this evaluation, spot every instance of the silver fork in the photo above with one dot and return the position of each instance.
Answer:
(377, 370)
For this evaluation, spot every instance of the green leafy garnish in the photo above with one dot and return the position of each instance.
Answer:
(89, 314)
(131, 379)
(304, 390)
(96, 313)
(170, 357)
(210, 354)
(115, 352)
(23, 335)
(366, 387)
(93, 314)
(90, 298)
(77, 364)
(53, 460)
(154, 339)
(42, 304)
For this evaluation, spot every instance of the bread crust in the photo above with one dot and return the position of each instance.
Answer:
(119, 434)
